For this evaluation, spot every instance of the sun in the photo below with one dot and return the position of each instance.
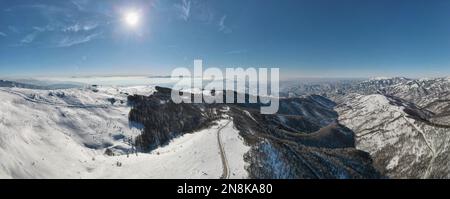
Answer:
(132, 18)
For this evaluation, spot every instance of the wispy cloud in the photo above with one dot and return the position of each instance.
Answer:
(184, 8)
(47, 11)
(80, 4)
(80, 27)
(69, 23)
(29, 38)
(13, 29)
(223, 27)
(69, 41)
(2, 34)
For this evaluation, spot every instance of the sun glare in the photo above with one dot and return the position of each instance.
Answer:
(132, 18)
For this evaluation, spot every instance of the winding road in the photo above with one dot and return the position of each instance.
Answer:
(223, 155)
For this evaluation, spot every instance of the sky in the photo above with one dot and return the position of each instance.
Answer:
(304, 38)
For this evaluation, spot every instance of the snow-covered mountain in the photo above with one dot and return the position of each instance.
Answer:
(403, 123)
(382, 127)
(401, 142)
(137, 132)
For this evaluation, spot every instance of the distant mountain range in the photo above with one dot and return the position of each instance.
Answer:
(34, 84)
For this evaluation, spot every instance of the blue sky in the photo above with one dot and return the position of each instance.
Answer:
(304, 38)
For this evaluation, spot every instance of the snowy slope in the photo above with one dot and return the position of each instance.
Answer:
(189, 156)
(401, 145)
(64, 134)
(235, 150)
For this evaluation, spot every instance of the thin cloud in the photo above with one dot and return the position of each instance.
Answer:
(2, 34)
(73, 38)
(29, 38)
(184, 9)
(69, 41)
(80, 4)
(40, 7)
(223, 27)
(13, 29)
(80, 27)
(63, 28)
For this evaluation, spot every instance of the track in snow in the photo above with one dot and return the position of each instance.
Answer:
(223, 155)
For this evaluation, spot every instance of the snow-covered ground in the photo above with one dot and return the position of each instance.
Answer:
(235, 150)
(64, 134)
(402, 146)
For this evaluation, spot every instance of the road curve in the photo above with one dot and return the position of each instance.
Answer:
(223, 155)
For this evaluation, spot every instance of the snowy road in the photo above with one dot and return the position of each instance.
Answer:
(223, 155)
